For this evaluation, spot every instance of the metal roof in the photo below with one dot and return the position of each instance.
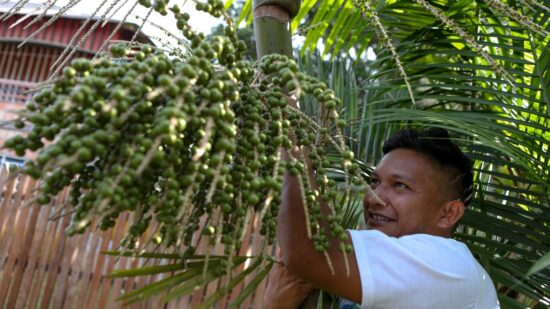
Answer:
(29, 10)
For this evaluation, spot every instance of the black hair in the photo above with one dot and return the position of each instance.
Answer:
(437, 145)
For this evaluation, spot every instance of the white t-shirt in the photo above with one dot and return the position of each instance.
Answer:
(420, 271)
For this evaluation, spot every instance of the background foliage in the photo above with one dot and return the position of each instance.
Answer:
(480, 69)
(502, 125)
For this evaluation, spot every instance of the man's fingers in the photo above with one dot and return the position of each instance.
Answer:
(279, 256)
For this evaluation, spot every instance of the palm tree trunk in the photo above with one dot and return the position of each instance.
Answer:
(272, 26)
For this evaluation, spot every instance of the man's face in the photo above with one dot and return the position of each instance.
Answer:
(413, 189)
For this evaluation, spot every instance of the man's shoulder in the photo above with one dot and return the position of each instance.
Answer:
(436, 251)
(435, 241)
(413, 264)
(415, 240)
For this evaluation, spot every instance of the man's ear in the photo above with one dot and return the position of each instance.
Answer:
(450, 214)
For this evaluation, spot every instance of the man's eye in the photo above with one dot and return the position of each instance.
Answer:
(374, 182)
(401, 185)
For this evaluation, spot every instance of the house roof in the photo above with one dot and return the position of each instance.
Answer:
(31, 10)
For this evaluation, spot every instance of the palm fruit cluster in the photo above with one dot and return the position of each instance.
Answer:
(174, 140)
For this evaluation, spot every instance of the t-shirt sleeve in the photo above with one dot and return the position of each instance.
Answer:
(416, 270)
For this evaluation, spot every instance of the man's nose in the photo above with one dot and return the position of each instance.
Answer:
(375, 196)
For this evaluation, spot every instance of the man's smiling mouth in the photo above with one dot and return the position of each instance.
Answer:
(378, 217)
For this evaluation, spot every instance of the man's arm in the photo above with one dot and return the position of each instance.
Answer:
(299, 254)
(284, 290)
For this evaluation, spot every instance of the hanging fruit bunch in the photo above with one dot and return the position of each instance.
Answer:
(173, 140)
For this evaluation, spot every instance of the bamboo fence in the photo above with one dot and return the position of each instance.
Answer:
(41, 267)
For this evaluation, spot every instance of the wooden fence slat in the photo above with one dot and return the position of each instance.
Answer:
(4, 218)
(132, 282)
(45, 231)
(10, 212)
(117, 234)
(202, 247)
(75, 278)
(56, 270)
(76, 265)
(12, 243)
(66, 276)
(91, 299)
(88, 265)
(55, 255)
(122, 263)
(245, 245)
(19, 246)
(27, 263)
(4, 173)
(256, 246)
(218, 249)
(39, 253)
(5, 232)
(65, 271)
(41, 268)
(256, 300)
(30, 253)
(143, 280)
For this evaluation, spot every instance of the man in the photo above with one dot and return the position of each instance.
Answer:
(406, 258)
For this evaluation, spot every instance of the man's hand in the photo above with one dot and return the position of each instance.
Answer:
(284, 290)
